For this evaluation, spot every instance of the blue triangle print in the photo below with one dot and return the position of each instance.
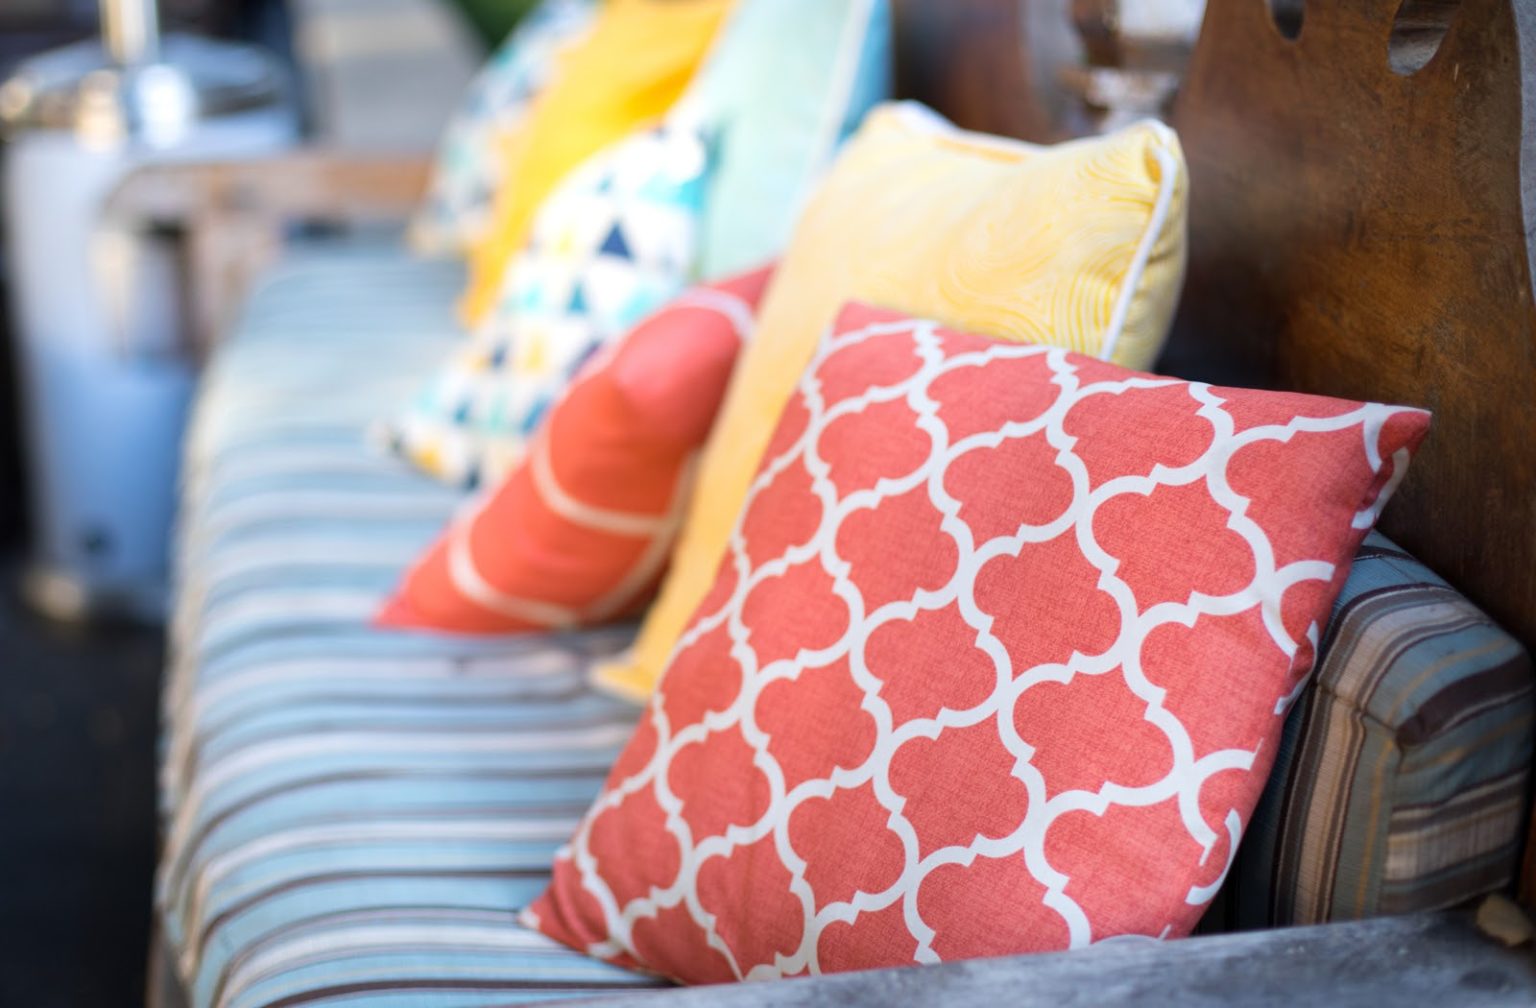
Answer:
(616, 245)
(587, 353)
(535, 415)
(578, 304)
(496, 419)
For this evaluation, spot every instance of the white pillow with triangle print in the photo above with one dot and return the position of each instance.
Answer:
(615, 241)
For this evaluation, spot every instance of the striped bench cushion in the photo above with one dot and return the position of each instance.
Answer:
(1402, 778)
(355, 816)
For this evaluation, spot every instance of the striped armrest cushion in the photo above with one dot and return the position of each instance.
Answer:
(1402, 778)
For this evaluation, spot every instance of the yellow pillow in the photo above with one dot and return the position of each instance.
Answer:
(626, 72)
(1079, 245)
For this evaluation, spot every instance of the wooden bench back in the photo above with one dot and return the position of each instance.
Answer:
(967, 59)
(1354, 231)
(1363, 198)
(1359, 232)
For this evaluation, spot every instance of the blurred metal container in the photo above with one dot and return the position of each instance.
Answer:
(97, 312)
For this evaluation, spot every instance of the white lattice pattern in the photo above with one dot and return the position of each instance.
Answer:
(996, 663)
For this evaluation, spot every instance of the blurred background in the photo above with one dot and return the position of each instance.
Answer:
(93, 394)
(78, 699)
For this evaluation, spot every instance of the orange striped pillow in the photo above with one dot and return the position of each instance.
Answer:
(579, 532)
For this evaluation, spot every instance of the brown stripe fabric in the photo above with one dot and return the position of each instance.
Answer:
(1402, 778)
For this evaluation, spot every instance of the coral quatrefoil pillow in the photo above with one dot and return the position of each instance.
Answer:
(997, 662)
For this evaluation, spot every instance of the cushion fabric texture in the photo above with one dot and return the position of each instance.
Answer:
(624, 74)
(1078, 245)
(786, 83)
(997, 662)
(616, 240)
(580, 530)
(354, 816)
(1402, 777)
(349, 822)
(456, 212)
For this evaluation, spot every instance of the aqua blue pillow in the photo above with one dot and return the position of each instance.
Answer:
(785, 84)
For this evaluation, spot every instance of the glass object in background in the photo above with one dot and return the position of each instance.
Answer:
(96, 312)
(1135, 53)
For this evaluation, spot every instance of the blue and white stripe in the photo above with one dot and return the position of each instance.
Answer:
(354, 816)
